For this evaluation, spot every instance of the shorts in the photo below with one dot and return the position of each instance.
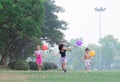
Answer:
(39, 61)
(63, 60)
(87, 63)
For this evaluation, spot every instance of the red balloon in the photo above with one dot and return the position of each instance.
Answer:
(44, 47)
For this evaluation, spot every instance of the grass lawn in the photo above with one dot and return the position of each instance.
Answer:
(59, 76)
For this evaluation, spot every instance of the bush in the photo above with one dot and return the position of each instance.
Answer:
(21, 65)
(33, 66)
(11, 64)
(49, 66)
(45, 66)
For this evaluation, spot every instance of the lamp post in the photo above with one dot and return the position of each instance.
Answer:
(99, 10)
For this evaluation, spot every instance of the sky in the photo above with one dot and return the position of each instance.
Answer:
(84, 20)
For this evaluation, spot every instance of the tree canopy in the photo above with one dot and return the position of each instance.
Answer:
(24, 22)
(53, 25)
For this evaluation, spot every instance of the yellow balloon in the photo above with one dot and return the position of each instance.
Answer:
(92, 53)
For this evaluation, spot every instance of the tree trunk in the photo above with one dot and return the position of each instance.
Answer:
(3, 60)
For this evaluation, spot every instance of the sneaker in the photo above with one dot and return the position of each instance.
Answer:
(65, 70)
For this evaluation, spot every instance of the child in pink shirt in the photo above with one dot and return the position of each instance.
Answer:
(39, 57)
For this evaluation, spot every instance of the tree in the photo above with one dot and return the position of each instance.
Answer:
(24, 22)
(20, 20)
(51, 30)
(109, 46)
(53, 26)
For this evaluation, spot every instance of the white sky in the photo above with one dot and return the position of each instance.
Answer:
(83, 20)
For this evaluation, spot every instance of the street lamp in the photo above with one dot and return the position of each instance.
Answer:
(101, 9)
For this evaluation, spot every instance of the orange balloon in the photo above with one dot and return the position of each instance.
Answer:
(44, 47)
(92, 53)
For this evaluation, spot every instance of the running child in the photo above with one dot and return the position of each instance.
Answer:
(39, 57)
(62, 52)
(86, 58)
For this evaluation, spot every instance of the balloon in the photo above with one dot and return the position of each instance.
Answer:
(79, 43)
(44, 47)
(92, 53)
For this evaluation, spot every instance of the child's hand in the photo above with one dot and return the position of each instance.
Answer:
(56, 54)
(44, 56)
(74, 46)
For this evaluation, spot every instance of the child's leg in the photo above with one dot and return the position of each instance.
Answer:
(39, 67)
(63, 63)
(88, 68)
(85, 65)
(64, 66)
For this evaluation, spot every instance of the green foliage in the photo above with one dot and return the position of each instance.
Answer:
(21, 65)
(109, 47)
(23, 22)
(45, 66)
(24, 16)
(52, 24)
(20, 21)
(11, 64)
(49, 66)
(109, 56)
(33, 66)
(30, 47)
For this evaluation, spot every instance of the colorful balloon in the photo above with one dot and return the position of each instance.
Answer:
(79, 43)
(92, 53)
(44, 47)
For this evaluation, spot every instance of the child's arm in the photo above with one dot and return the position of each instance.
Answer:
(83, 58)
(43, 54)
(34, 53)
(56, 54)
(90, 57)
(69, 49)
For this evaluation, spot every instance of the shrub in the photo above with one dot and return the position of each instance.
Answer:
(48, 66)
(33, 66)
(21, 65)
(45, 66)
(11, 64)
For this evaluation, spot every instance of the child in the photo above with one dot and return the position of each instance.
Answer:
(39, 57)
(62, 52)
(86, 59)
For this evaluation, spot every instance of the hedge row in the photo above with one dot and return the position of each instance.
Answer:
(23, 65)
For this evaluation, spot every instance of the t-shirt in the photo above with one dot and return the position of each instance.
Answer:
(38, 53)
(63, 53)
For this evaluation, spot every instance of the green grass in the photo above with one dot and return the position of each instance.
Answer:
(59, 76)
